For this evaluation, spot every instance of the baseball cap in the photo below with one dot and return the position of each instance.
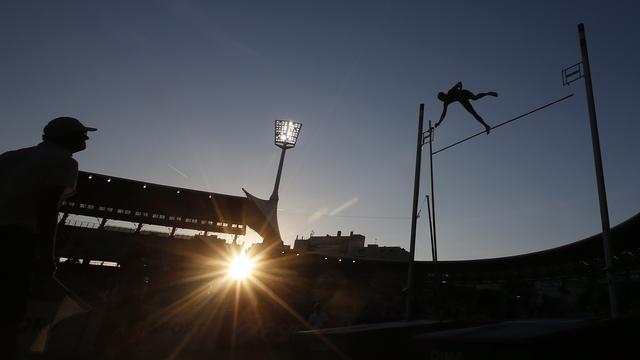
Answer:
(65, 125)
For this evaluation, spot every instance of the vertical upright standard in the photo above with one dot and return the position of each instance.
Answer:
(414, 217)
(432, 216)
(602, 194)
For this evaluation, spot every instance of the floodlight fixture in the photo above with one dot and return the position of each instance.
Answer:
(286, 133)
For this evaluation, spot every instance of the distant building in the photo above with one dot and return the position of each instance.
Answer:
(331, 245)
(373, 251)
(351, 246)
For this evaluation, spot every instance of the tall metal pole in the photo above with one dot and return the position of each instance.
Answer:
(414, 218)
(433, 254)
(602, 194)
(433, 204)
(274, 194)
(434, 244)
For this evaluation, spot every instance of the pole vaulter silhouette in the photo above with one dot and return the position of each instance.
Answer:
(457, 93)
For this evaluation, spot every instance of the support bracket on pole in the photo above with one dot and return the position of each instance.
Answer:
(572, 73)
(426, 136)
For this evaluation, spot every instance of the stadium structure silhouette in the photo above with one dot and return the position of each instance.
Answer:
(159, 294)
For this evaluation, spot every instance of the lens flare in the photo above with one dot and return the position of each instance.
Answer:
(240, 267)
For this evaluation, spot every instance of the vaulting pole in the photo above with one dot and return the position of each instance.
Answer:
(414, 217)
(602, 194)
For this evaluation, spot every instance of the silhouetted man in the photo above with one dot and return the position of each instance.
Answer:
(457, 93)
(33, 183)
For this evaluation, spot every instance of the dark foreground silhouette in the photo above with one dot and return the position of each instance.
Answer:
(33, 183)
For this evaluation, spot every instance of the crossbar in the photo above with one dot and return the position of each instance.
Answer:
(504, 123)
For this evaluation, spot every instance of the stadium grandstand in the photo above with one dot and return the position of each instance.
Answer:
(153, 292)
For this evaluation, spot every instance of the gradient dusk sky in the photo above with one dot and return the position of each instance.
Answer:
(185, 93)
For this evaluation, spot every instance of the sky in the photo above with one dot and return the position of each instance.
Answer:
(185, 93)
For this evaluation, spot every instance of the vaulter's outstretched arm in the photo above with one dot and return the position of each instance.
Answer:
(444, 112)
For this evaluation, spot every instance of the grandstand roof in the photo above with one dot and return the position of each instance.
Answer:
(137, 201)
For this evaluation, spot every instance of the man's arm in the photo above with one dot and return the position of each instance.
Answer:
(47, 221)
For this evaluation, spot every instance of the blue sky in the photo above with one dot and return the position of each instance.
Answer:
(185, 93)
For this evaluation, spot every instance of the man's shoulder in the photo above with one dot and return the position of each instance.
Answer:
(18, 151)
(54, 153)
(18, 154)
(41, 156)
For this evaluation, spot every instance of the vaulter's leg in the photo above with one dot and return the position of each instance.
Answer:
(473, 112)
(481, 95)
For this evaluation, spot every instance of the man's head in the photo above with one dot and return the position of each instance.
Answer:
(68, 133)
(442, 96)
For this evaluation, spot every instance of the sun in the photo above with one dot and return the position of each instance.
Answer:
(240, 268)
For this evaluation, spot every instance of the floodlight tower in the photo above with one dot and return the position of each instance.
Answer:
(262, 215)
(286, 136)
